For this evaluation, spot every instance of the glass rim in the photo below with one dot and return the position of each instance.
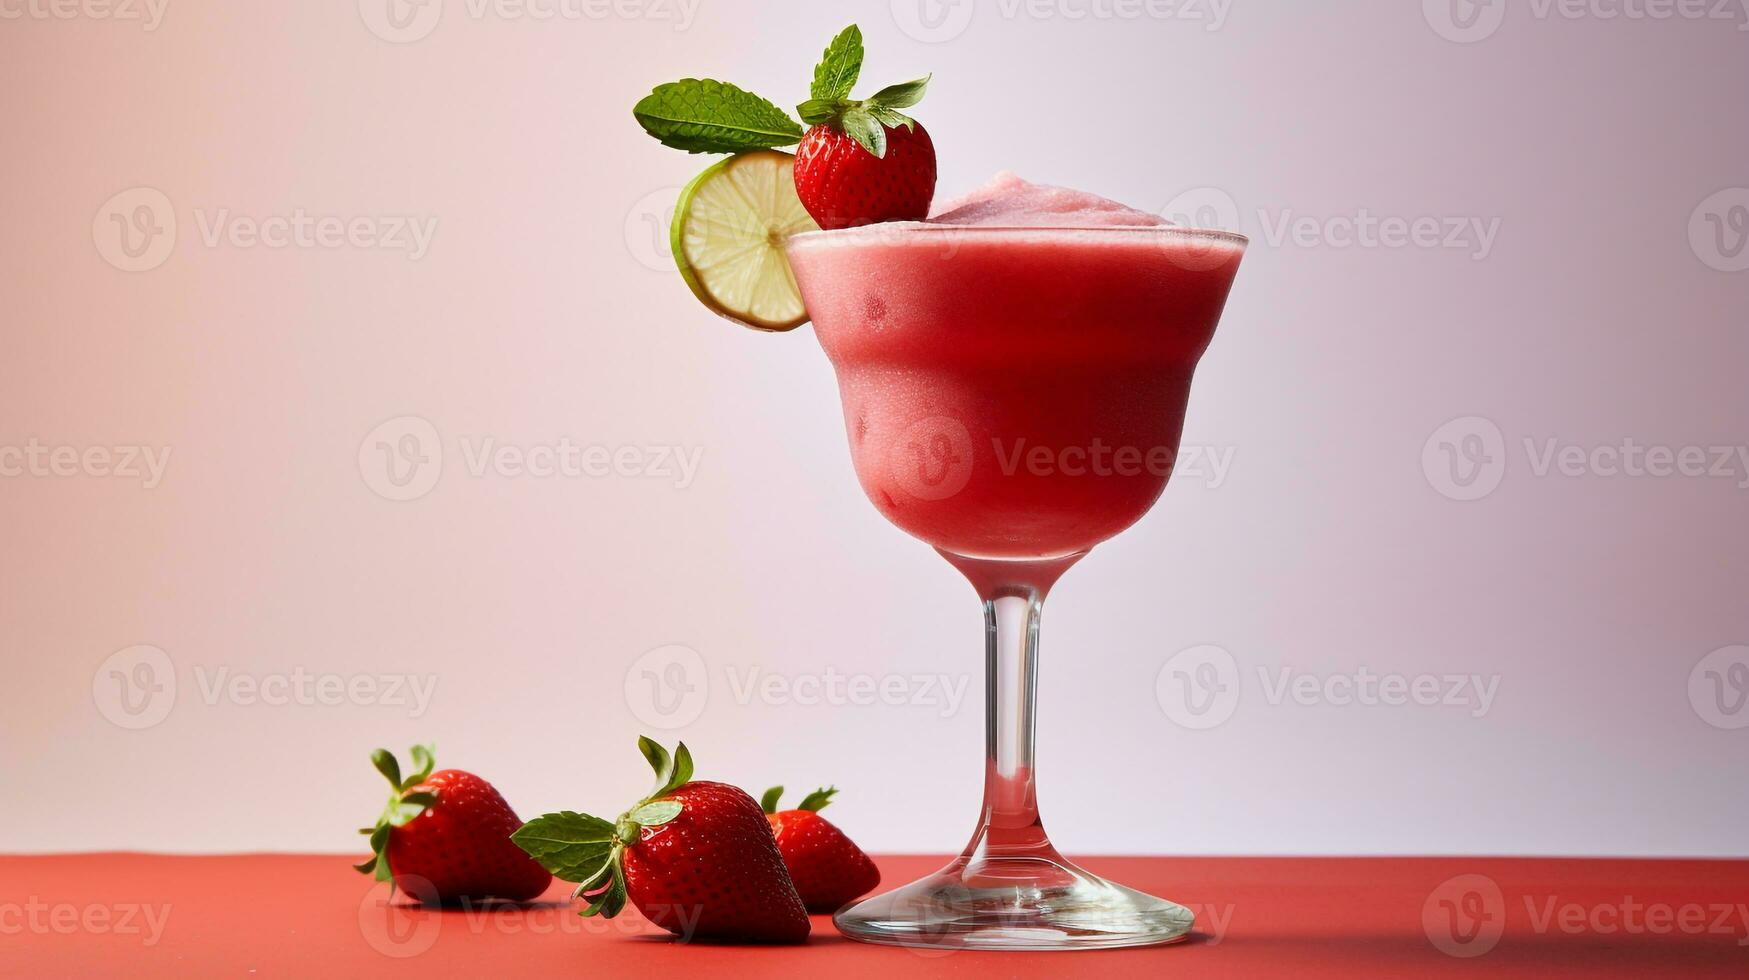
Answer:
(898, 228)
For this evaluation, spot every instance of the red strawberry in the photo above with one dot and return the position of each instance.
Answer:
(842, 184)
(696, 858)
(445, 837)
(828, 869)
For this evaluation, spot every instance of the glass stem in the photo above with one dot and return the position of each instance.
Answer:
(1013, 593)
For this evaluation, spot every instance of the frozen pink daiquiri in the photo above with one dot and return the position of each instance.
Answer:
(1014, 373)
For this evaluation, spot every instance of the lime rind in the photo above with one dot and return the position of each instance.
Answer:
(728, 236)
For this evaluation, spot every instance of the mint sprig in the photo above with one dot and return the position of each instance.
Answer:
(836, 73)
(591, 851)
(703, 115)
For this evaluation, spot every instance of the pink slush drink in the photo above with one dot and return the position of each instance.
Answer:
(1014, 371)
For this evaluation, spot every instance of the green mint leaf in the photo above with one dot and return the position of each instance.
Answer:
(654, 814)
(839, 65)
(572, 846)
(702, 115)
(861, 125)
(385, 763)
(901, 96)
(768, 802)
(818, 798)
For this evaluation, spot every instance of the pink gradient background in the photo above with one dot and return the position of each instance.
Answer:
(543, 310)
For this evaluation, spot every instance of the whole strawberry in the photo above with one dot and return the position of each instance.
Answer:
(843, 182)
(861, 161)
(445, 837)
(696, 858)
(829, 870)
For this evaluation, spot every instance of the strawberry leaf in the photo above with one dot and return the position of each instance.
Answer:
(385, 763)
(656, 756)
(702, 115)
(892, 118)
(818, 799)
(573, 846)
(610, 902)
(816, 111)
(654, 814)
(901, 96)
(861, 125)
(839, 65)
(404, 808)
(423, 763)
(768, 802)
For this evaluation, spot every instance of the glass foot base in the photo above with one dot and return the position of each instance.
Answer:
(1014, 903)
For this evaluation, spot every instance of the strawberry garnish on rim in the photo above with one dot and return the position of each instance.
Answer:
(862, 161)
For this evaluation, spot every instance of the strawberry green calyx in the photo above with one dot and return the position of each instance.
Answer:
(590, 851)
(868, 120)
(865, 121)
(404, 804)
(813, 802)
(817, 800)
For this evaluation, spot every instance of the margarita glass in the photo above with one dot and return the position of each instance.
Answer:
(1014, 395)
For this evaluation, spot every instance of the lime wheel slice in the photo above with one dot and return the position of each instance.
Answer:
(728, 235)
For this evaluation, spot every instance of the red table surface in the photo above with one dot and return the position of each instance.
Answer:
(311, 916)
